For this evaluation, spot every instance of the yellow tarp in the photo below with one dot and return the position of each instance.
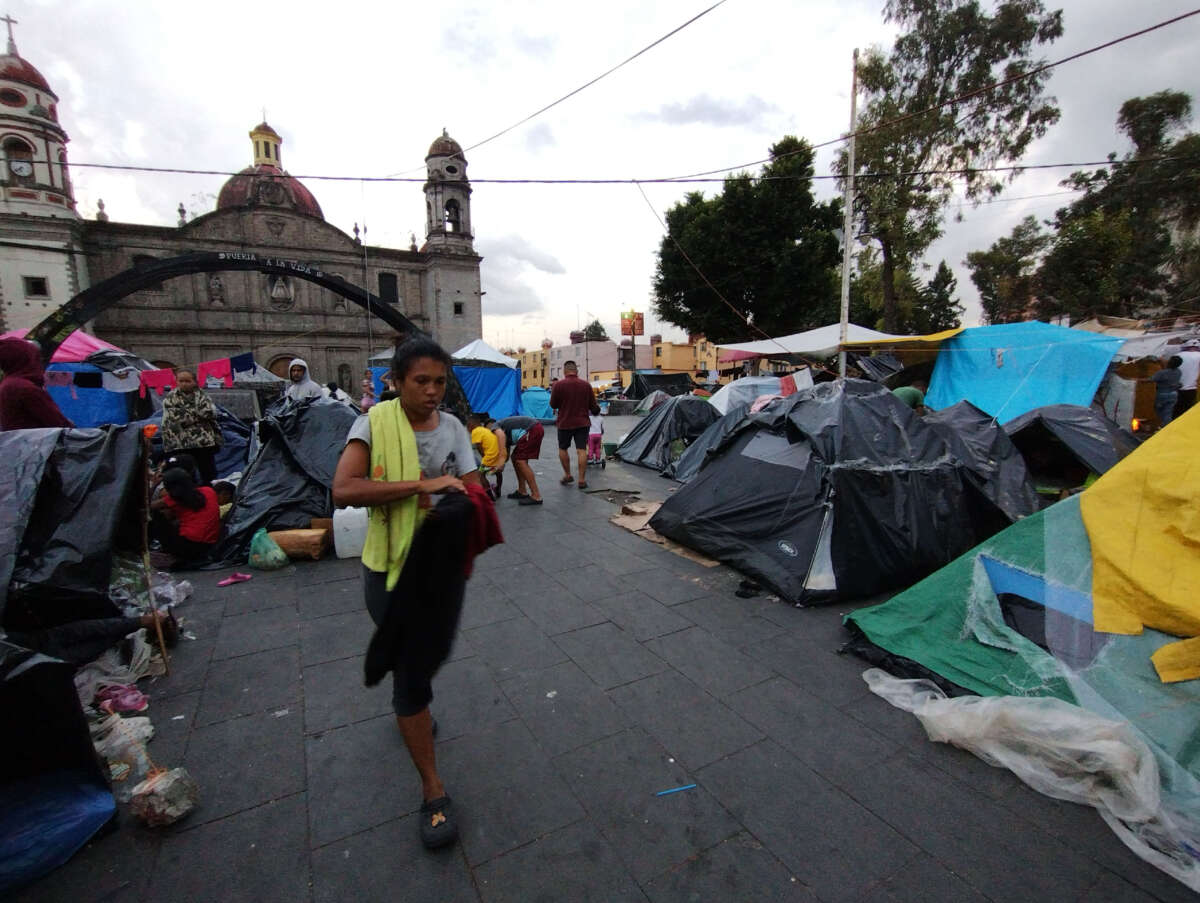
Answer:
(1143, 521)
(933, 338)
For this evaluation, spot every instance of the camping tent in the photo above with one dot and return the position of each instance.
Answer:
(643, 382)
(289, 481)
(749, 388)
(981, 443)
(490, 379)
(837, 491)
(480, 352)
(74, 348)
(661, 436)
(535, 403)
(1011, 368)
(1063, 443)
(231, 457)
(696, 455)
(650, 402)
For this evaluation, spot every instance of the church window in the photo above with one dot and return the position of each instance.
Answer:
(12, 98)
(36, 287)
(389, 290)
(452, 169)
(458, 308)
(453, 216)
(257, 149)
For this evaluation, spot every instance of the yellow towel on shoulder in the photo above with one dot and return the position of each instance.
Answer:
(390, 527)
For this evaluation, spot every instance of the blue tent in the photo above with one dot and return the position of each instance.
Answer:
(1011, 368)
(86, 407)
(496, 390)
(535, 402)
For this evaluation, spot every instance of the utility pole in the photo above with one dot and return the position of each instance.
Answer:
(848, 219)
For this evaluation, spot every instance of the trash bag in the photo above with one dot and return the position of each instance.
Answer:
(265, 554)
(1065, 752)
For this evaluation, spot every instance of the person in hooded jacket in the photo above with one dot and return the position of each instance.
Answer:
(190, 425)
(24, 402)
(303, 386)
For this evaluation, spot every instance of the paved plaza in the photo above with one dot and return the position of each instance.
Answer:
(593, 670)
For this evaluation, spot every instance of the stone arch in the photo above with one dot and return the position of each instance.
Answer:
(280, 363)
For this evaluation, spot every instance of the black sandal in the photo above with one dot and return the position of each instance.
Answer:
(438, 826)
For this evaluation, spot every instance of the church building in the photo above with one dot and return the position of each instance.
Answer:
(48, 253)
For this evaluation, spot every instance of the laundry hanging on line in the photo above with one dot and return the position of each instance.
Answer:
(158, 380)
(218, 369)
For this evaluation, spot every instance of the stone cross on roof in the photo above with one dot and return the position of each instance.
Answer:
(12, 45)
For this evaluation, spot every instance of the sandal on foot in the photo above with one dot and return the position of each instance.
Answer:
(438, 825)
(567, 479)
(583, 485)
(518, 495)
(527, 500)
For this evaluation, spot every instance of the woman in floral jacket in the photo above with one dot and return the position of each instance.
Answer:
(190, 425)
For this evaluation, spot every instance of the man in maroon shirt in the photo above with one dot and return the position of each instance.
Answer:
(574, 402)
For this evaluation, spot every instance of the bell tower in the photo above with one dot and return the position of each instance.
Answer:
(447, 198)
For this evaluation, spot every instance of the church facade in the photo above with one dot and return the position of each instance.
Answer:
(48, 253)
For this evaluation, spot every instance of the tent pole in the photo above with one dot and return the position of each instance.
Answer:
(848, 220)
(162, 646)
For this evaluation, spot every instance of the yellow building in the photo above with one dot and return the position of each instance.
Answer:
(698, 355)
(535, 367)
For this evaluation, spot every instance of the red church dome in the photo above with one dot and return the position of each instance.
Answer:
(267, 186)
(19, 70)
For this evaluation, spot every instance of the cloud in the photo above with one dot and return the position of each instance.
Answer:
(511, 269)
(538, 137)
(515, 252)
(704, 109)
(537, 46)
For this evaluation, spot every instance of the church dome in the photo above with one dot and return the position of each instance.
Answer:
(18, 70)
(268, 186)
(444, 146)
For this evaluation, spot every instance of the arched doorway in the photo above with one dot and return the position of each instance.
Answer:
(281, 364)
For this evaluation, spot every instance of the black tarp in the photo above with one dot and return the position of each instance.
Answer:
(838, 491)
(877, 367)
(81, 491)
(235, 440)
(289, 482)
(654, 441)
(1085, 434)
(642, 384)
(696, 455)
(981, 443)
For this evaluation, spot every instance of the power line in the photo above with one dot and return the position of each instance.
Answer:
(953, 100)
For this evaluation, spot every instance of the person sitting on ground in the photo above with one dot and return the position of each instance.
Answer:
(24, 402)
(189, 425)
(524, 436)
(574, 402)
(302, 386)
(485, 441)
(194, 525)
(1166, 390)
(412, 466)
(226, 496)
(913, 395)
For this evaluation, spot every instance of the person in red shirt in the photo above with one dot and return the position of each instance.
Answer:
(196, 513)
(574, 402)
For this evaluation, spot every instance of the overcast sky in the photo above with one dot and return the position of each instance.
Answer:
(361, 89)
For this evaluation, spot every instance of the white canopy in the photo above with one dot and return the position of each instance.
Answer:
(820, 342)
(479, 350)
(749, 388)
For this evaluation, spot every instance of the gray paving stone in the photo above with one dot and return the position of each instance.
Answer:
(563, 707)
(334, 695)
(608, 655)
(245, 762)
(243, 598)
(484, 603)
(665, 586)
(729, 619)
(504, 555)
(260, 854)
(714, 665)
(515, 581)
(820, 735)
(332, 598)
(506, 792)
(641, 616)
(990, 847)
(735, 869)
(512, 646)
(191, 657)
(590, 582)
(556, 610)
(693, 726)
(258, 631)
(573, 863)
(617, 779)
(259, 682)
(359, 776)
(335, 636)
(925, 880)
(466, 698)
(819, 670)
(388, 863)
(830, 842)
(173, 718)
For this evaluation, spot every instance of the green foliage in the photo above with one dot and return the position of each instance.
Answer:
(1086, 271)
(921, 309)
(766, 245)
(936, 308)
(1005, 274)
(595, 332)
(946, 48)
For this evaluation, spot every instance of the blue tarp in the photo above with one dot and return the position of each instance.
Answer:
(90, 407)
(377, 380)
(535, 403)
(496, 390)
(1012, 368)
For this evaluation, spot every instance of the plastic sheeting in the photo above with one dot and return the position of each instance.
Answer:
(838, 491)
(643, 383)
(1011, 368)
(659, 439)
(748, 388)
(981, 443)
(535, 403)
(82, 507)
(650, 402)
(1092, 438)
(479, 350)
(73, 349)
(289, 482)
(696, 455)
(88, 407)
(496, 389)
(236, 440)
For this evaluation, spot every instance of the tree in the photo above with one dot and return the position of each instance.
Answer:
(947, 48)
(921, 309)
(594, 332)
(765, 244)
(936, 308)
(1005, 272)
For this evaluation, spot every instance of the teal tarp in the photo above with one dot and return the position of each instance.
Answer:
(496, 390)
(1012, 368)
(535, 403)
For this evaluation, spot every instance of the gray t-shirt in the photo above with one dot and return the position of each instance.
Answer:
(445, 449)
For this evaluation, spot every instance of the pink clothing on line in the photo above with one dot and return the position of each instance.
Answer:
(158, 380)
(220, 369)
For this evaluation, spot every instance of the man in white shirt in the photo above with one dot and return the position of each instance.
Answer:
(1189, 370)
